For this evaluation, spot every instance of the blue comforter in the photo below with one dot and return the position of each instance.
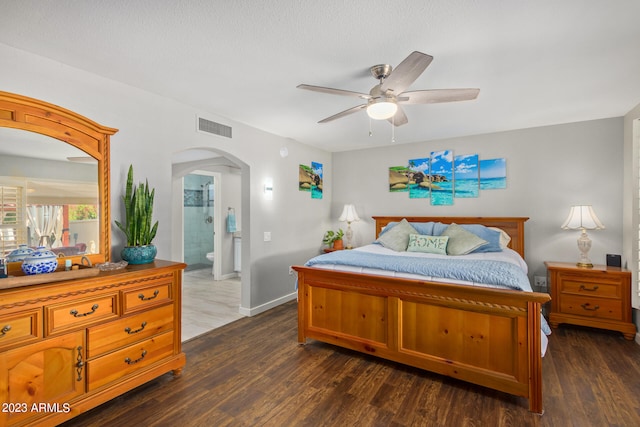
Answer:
(499, 274)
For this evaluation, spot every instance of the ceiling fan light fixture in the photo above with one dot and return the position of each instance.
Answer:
(382, 109)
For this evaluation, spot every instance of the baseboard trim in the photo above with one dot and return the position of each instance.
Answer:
(269, 305)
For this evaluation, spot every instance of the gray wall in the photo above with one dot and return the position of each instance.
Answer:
(548, 170)
(152, 129)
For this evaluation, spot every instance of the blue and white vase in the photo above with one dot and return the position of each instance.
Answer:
(18, 255)
(40, 261)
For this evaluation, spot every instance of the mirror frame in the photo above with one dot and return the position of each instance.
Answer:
(21, 112)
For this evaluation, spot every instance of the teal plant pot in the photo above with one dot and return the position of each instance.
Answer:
(139, 254)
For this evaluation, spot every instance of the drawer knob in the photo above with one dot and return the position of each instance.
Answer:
(584, 288)
(588, 307)
(75, 313)
(133, 362)
(130, 332)
(143, 298)
(4, 330)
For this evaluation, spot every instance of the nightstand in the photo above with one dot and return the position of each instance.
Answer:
(598, 297)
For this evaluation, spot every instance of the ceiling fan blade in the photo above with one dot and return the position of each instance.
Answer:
(344, 113)
(406, 72)
(399, 119)
(334, 91)
(438, 95)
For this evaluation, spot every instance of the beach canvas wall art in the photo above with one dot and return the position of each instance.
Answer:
(493, 174)
(418, 178)
(467, 176)
(440, 179)
(316, 185)
(305, 179)
(399, 179)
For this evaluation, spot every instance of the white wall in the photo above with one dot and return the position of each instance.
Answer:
(151, 129)
(548, 170)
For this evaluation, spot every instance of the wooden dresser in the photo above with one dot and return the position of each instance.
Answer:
(598, 297)
(68, 346)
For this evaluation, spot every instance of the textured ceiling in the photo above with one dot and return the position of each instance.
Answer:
(536, 62)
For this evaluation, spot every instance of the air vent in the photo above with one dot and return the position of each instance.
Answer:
(208, 126)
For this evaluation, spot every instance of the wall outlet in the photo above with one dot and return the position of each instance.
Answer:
(267, 236)
(540, 283)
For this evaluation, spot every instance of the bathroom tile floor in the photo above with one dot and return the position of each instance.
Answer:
(208, 304)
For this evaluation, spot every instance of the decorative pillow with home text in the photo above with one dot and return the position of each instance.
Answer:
(428, 244)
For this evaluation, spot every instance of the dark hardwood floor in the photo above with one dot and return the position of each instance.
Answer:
(253, 373)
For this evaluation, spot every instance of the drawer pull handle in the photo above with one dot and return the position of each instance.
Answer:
(130, 332)
(4, 330)
(133, 362)
(143, 298)
(584, 288)
(76, 314)
(587, 307)
(79, 364)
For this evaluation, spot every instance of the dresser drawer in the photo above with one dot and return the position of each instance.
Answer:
(122, 332)
(20, 328)
(145, 297)
(80, 313)
(602, 308)
(590, 286)
(111, 367)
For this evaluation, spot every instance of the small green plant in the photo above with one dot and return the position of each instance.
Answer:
(331, 236)
(138, 205)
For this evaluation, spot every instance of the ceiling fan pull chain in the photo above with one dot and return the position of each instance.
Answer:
(370, 132)
(393, 129)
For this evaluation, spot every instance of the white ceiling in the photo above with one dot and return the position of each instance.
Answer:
(536, 62)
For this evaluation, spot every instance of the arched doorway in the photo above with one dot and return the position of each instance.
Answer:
(210, 164)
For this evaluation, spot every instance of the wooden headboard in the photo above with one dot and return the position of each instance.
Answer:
(513, 226)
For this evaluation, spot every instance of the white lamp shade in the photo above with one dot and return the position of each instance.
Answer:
(582, 217)
(382, 110)
(349, 214)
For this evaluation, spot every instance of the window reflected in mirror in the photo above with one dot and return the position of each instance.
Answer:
(49, 195)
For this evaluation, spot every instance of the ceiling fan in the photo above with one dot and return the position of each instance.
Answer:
(385, 100)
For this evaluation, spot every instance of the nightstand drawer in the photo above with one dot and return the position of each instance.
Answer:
(601, 308)
(587, 286)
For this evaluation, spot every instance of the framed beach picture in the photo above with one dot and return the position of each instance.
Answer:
(493, 174)
(467, 175)
(418, 174)
(441, 178)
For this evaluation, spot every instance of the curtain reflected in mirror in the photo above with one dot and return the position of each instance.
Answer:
(49, 195)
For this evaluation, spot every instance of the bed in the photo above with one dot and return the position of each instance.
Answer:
(484, 335)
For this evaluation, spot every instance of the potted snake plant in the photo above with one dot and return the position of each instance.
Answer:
(138, 228)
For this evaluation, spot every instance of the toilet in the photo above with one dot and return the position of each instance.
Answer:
(210, 257)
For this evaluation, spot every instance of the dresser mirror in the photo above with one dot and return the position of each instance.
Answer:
(54, 180)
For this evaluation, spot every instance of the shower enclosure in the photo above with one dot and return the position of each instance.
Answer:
(199, 220)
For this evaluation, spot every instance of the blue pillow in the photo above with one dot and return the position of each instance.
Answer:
(424, 228)
(491, 236)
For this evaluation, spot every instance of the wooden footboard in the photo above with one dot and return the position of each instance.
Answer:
(484, 336)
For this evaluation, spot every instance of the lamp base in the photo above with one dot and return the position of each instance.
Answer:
(584, 265)
(584, 244)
